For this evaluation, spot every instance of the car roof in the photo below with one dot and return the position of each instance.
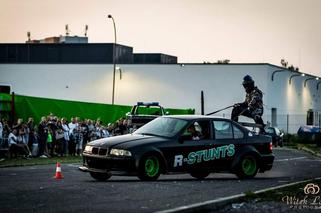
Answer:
(193, 117)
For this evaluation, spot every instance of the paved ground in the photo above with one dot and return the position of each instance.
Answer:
(32, 189)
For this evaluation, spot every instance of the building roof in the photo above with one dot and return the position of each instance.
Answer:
(77, 53)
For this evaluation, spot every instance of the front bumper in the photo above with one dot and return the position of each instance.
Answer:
(105, 164)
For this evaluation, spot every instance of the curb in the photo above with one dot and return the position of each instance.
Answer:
(220, 202)
(310, 151)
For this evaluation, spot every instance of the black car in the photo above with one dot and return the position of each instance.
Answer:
(276, 134)
(198, 145)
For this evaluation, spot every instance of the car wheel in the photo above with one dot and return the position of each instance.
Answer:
(149, 168)
(100, 176)
(199, 174)
(248, 167)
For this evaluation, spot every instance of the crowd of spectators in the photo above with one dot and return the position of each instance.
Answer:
(55, 136)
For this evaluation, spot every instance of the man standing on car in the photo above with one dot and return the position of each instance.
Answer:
(252, 107)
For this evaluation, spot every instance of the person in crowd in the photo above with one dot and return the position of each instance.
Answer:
(42, 137)
(85, 130)
(24, 133)
(72, 143)
(59, 136)
(121, 127)
(79, 135)
(66, 130)
(91, 130)
(18, 124)
(49, 143)
(110, 128)
(6, 129)
(125, 127)
(98, 130)
(16, 147)
(116, 130)
(104, 132)
(31, 129)
(52, 124)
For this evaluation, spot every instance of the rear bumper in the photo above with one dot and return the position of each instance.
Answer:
(266, 162)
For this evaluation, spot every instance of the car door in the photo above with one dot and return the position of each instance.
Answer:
(188, 153)
(227, 139)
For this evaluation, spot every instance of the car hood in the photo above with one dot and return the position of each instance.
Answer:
(125, 141)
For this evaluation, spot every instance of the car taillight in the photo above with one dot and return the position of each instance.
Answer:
(271, 146)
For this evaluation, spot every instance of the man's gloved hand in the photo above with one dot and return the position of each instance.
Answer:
(236, 105)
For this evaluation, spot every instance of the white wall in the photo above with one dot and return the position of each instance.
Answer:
(293, 99)
(174, 86)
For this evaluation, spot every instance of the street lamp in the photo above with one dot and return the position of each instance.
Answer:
(276, 71)
(308, 79)
(318, 85)
(114, 59)
(302, 74)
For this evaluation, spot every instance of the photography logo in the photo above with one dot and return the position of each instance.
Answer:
(312, 189)
(309, 200)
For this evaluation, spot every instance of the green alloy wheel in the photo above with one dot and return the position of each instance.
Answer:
(248, 167)
(149, 168)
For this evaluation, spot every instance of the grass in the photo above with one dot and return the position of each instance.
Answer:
(39, 161)
(311, 148)
(295, 190)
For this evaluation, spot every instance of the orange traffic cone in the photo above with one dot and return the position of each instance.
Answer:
(58, 172)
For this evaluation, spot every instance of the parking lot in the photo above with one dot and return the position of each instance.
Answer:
(33, 188)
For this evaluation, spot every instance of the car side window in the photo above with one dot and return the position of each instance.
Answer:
(198, 130)
(238, 134)
(223, 130)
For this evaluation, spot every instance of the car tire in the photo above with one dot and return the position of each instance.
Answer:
(248, 167)
(100, 176)
(199, 174)
(149, 168)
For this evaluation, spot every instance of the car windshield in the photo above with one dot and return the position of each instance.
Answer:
(162, 126)
(150, 110)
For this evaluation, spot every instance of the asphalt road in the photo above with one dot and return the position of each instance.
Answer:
(33, 189)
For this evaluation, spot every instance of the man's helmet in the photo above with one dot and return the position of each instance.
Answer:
(248, 82)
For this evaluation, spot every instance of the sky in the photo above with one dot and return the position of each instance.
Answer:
(243, 31)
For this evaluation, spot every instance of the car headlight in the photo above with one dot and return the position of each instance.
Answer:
(120, 152)
(88, 149)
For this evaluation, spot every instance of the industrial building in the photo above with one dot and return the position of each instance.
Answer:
(84, 72)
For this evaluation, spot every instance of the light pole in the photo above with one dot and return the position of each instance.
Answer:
(114, 59)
